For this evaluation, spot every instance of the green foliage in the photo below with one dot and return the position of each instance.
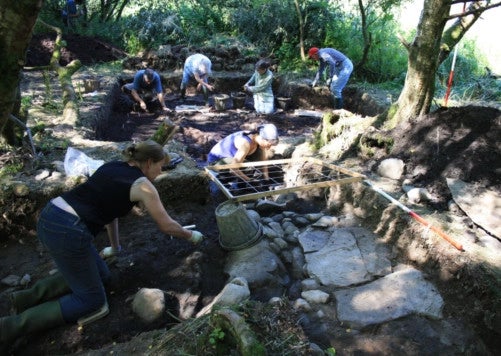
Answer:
(10, 169)
(49, 102)
(466, 65)
(150, 28)
(39, 127)
(201, 19)
(470, 78)
(217, 335)
(271, 28)
(44, 139)
(322, 20)
(267, 24)
(26, 102)
(289, 58)
(330, 351)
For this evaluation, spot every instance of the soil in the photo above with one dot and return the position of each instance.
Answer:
(89, 50)
(460, 142)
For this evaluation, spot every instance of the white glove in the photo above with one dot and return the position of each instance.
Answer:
(196, 237)
(313, 83)
(110, 251)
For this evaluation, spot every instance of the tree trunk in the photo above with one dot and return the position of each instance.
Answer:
(417, 94)
(365, 35)
(430, 47)
(301, 29)
(17, 20)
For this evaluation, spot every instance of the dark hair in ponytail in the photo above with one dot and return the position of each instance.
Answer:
(253, 132)
(143, 151)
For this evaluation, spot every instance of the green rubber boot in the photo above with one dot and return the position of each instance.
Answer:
(42, 291)
(41, 317)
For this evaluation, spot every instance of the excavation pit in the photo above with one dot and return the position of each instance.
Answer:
(151, 258)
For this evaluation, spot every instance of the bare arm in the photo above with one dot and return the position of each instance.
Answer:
(137, 98)
(113, 235)
(201, 82)
(143, 191)
(263, 157)
(160, 97)
(243, 148)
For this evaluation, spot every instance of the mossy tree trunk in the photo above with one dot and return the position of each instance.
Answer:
(17, 19)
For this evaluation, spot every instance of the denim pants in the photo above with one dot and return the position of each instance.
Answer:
(69, 242)
(340, 79)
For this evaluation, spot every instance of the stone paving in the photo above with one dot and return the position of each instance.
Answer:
(351, 264)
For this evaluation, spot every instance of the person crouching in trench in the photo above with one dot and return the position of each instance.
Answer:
(245, 145)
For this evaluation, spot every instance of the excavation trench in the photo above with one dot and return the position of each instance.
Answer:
(192, 276)
(350, 206)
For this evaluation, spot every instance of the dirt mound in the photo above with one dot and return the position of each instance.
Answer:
(461, 143)
(89, 50)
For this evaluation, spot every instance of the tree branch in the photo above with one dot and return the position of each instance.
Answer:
(28, 132)
(70, 102)
(479, 9)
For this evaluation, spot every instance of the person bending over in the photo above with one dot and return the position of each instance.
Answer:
(146, 90)
(245, 145)
(340, 69)
(67, 227)
(197, 67)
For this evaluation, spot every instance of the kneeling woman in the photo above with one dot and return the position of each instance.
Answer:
(260, 87)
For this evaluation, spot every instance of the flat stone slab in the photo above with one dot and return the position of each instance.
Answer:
(391, 297)
(482, 205)
(191, 108)
(344, 256)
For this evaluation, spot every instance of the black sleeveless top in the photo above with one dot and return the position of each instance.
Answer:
(105, 195)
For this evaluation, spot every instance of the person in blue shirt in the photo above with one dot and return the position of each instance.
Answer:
(197, 67)
(260, 86)
(146, 90)
(245, 146)
(340, 69)
(70, 12)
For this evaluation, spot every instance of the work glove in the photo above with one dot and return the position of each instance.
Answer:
(328, 82)
(313, 83)
(196, 237)
(109, 251)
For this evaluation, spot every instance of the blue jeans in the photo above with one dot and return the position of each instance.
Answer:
(70, 244)
(340, 79)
